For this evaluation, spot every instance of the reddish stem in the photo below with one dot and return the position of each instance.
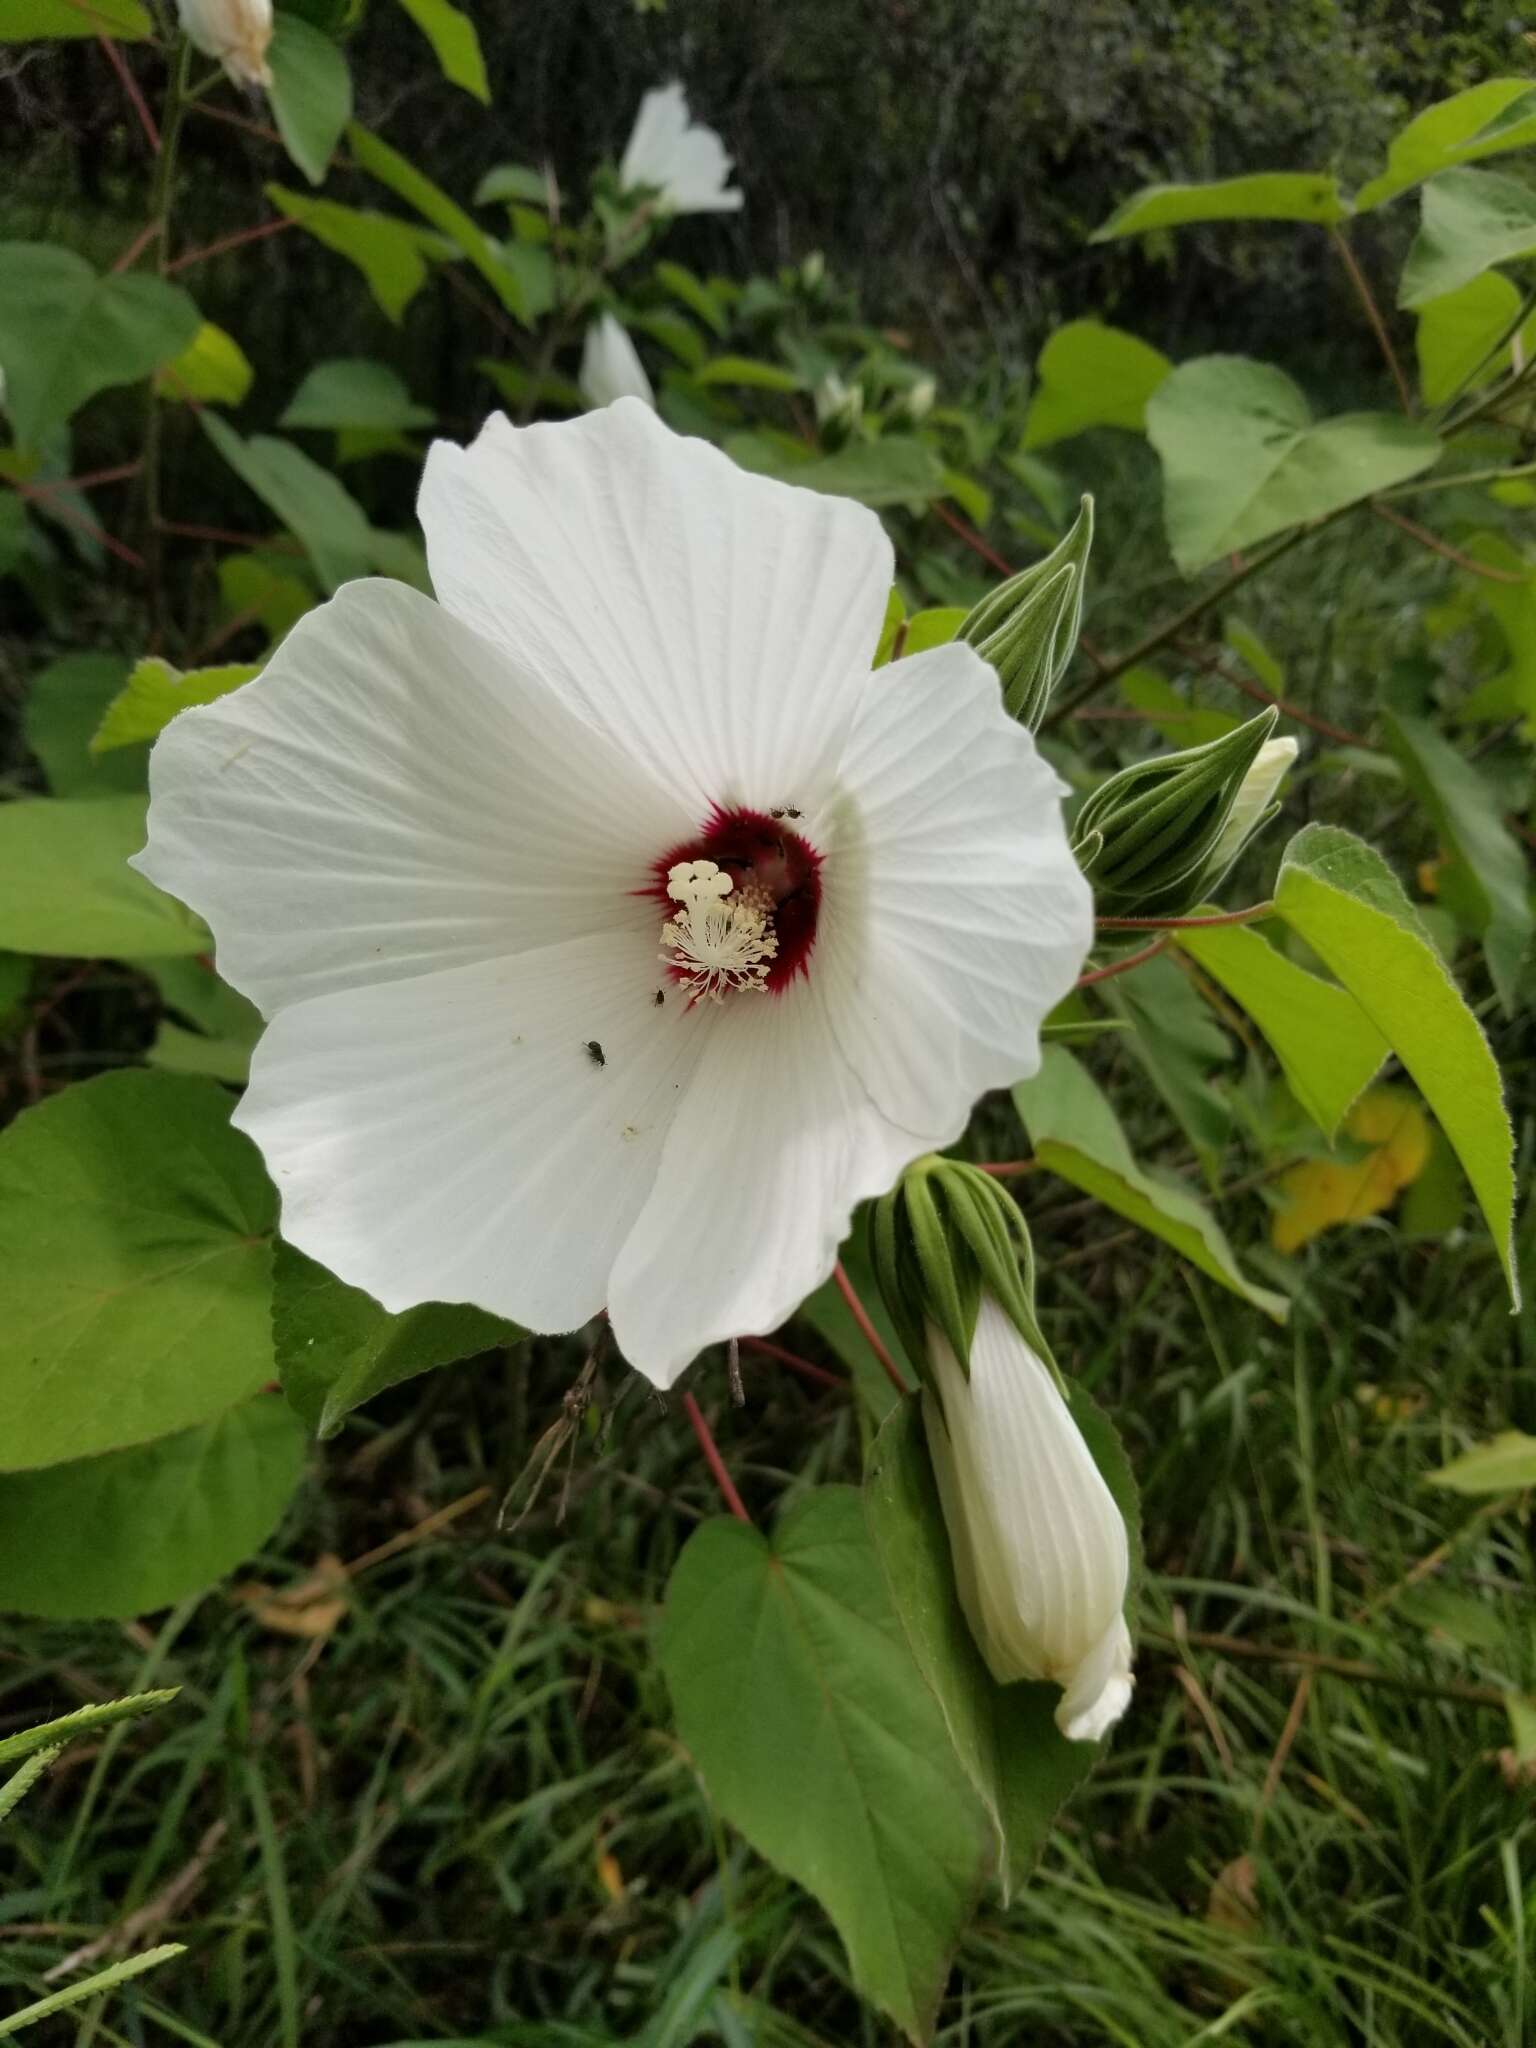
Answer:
(713, 1459)
(228, 242)
(71, 517)
(971, 537)
(1213, 665)
(137, 246)
(1437, 546)
(185, 531)
(130, 85)
(803, 1366)
(1012, 1169)
(1131, 960)
(116, 475)
(1367, 299)
(872, 1336)
(1181, 924)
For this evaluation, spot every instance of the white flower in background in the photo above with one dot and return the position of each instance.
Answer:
(680, 159)
(237, 32)
(1040, 1550)
(610, 367)
(520, 1052)
(1255, 795)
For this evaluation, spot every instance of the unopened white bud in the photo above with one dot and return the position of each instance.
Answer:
(1039, 1547)
(1254, 797)
(610, 366)
(237, 32)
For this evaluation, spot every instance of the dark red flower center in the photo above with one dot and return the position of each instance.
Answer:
(753, 847)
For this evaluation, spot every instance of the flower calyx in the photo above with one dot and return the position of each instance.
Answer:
(1158, 837)
(1028, 627)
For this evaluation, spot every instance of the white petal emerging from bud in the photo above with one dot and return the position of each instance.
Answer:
(1039, 1546)
(1253, 799)
(610, 366)
(237, 32)
(679, 159)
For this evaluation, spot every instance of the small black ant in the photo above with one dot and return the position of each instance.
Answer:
(658, 999)
(595, 1053)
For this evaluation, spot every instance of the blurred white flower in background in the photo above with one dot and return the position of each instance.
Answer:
(610, 366)
(237, 32)
(1039, 1546)
(618, 928)
(681, 160)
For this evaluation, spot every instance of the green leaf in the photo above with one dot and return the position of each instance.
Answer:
(1076, 1133)
(800, 1702)
(310, 93)
(895, 471)
(64, 707)
(355, 391)
(211, 370)
(1468, 820)
(1339, 895)
(695, 294)
(1485, 120)
(66, 333)
(155, 692)
(1513, 608)
(674, 332)
(135, 1233)
(66, 888)
(828, 1313)
(93, 1986)
(89, 1720)
(455, 44)
(1470, 220)
(935, 627)
(749, 374)
(1005, 1737)
(1505, 1464)
(1328, 1048)
(1090, 375)
(1264, 195)
(23, 21)
(336, 1348)
(308, 500)
(228, 1026)
(1458, 333)
(388, 252)
(524, 183)
(267, 588)
(1180, 723)
(1176, 1038)
(1243, 459)
(137, 1529)
(433, 204)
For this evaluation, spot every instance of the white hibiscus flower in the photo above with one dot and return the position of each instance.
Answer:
(618, 929)
(611, 367)
(678, 158)
(237, 32)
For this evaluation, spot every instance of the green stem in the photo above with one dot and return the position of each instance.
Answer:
(1171, 629)
(162, 196)
(1496, 475)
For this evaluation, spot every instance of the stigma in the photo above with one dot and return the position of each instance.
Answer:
(720, 938)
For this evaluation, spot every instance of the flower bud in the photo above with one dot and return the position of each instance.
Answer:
(1040, 1550)
(1028, 627)
(1255, 804)
(1155, 838)
(611, 367)
(237, 32)
(1039, 1546)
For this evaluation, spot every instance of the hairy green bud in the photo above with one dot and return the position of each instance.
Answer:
(945, 1235)
(1159, 836)
(1027, 628)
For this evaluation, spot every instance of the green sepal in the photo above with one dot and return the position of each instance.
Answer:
(1028, 627)
(1145, 838)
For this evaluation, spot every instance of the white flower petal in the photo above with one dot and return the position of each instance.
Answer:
(610, 366)
(453, 1138)
(718, 626)
(954, 916)
(659, 127)
(773, 1145)
(682, 162)
(392, 796)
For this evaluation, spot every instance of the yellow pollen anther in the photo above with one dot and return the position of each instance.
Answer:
(716, 945)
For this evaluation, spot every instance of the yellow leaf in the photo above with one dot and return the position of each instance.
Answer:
(1320, 1193)
(212, 369)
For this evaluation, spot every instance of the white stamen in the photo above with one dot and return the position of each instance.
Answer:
(716, 945)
